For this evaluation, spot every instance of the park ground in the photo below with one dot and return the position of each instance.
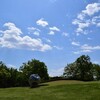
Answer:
(56, 90)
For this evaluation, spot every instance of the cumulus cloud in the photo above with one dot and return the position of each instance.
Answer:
(51, 33)
(89, 38)
(81, 25)
(11, 38)
(87, 18)
(47, 40)
(87, 48)
(42, 22)
(98, 24)
(12, 29)
(53, 30)
(33, 30)
(65, 34)
(58, 48)
(75, 43)
(91, 9)
(95, 20)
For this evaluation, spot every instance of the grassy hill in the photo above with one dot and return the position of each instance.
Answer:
(57, 90)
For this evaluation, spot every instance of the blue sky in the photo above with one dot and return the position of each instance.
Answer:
(53, 31)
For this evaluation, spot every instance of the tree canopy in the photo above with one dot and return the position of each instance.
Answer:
(82, 69)
(35, 67)
(10, 77)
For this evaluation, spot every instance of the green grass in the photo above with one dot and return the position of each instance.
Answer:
(58, 90)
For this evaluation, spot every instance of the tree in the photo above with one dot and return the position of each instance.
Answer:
(85, 68)
(81, 69)
(3, 66)
(34, 67)
(96, 71)
(71, 71)
(4, 75)
(13, 78)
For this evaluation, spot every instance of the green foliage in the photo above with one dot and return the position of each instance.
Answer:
(96, 71)
(4, 78)
(81, 69)
(85, 68)
(4, 75)
(34, 67)
(71, 71)
(10, 77)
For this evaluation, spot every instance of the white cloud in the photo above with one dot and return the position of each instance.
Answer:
(58, 48)
(56, 72)
(11, 38)
(95, 20)
(54, 29)
(51, 33)
(42, 22)
(85, 18)
(12, 29)
(81, 25)
(33, 30)
(98, 24)
(36, 33)
(77, 52)
(91, 9)
(75, 43)
(81, 16)
(82, 51)
(65, 34)
(48, 40)
(89, 38)
(87, 48)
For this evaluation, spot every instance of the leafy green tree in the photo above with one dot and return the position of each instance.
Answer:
(71, 71)
(96, 71)
(3, 66)
(13, 78)
(34, 67)
(21, 79)
(81, 69)
(4, 78)
(4, 75)
(85, 68)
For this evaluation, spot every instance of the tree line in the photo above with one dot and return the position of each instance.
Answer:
(82, 69)
(11, 77)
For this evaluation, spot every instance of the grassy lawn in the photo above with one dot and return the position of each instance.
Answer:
(58, 90)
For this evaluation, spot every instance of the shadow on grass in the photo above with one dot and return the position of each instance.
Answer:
(40, 85)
